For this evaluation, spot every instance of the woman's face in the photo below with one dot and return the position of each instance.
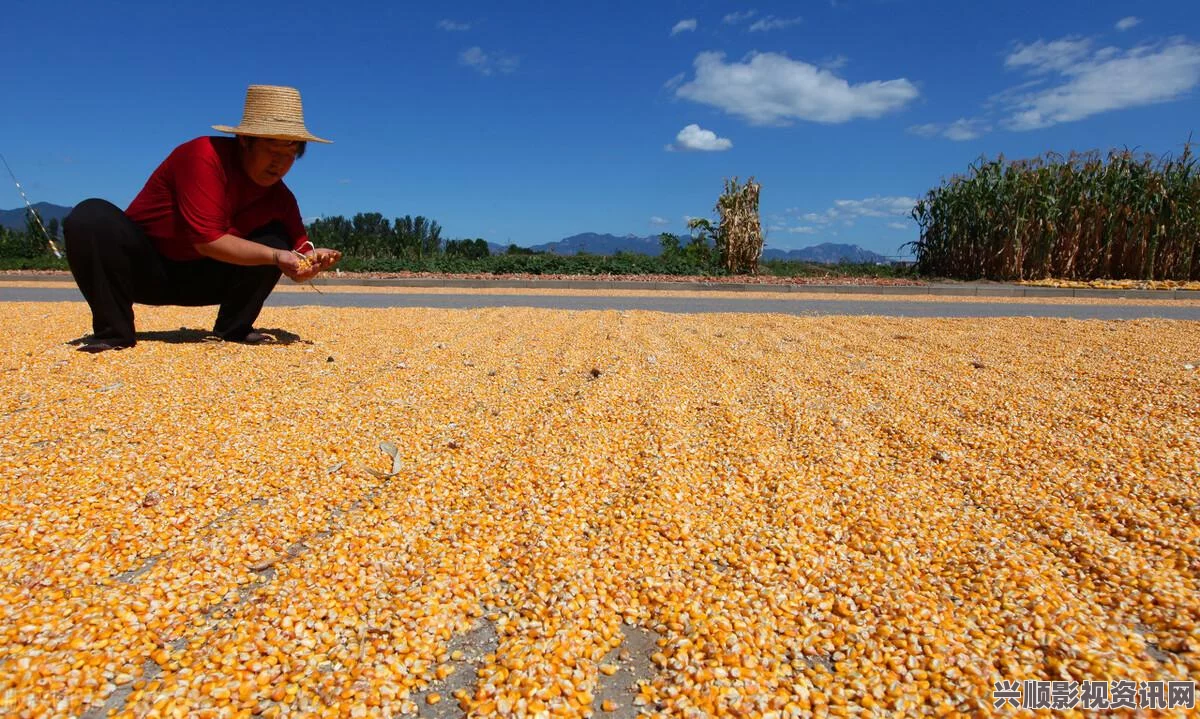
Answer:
(266, 161)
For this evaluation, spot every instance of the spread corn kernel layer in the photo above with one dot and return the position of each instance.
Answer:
(826, 516)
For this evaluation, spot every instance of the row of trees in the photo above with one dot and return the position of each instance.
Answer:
(370, 235)
(29, 243)
(733, 246)
(374, 244)
(366, 236)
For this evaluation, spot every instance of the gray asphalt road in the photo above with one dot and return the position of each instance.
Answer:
(892, 308)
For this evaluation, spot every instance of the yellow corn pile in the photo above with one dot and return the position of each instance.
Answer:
(1115, 284)
(303, 262)
(810, 516)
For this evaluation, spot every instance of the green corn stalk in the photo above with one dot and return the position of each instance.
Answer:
(1084, 216)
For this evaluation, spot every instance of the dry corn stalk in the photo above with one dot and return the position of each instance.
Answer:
(740, 239)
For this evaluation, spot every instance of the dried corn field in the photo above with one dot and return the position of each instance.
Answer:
(745, 515)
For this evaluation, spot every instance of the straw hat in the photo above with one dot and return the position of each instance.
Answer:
(272, 111)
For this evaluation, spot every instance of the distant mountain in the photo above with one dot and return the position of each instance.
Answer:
(826, 252)
(604, 244)
(597, 244)
(15, 219)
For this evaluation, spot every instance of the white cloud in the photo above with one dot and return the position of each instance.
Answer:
(1090, 83)
(344, 181)
(1008, 96)
(452, 26)
(488, 64)
(772, 89)
(683, 26)
(659, 221)
(959, 130)
(734, 18)
(964, 129)
(1126, 23)
(846, 211)
(801, 230)
(837, 62)
(771, 22)
(876, 206)
(674, 81)
(693, 137)
(899, 226)
(1042, 57)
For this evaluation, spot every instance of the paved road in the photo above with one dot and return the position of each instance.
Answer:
(896, 308)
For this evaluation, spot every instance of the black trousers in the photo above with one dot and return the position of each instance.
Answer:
(116, 265)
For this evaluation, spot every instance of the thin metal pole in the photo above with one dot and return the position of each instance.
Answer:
(36, 217)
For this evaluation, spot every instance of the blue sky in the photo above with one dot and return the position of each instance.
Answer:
(527, 122)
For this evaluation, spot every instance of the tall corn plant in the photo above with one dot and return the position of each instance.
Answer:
(1085, 216)
(739, 236)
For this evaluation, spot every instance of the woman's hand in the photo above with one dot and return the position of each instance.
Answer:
(291, 265)
(324, 258)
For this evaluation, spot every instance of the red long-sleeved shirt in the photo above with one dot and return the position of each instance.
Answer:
(200, 192)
